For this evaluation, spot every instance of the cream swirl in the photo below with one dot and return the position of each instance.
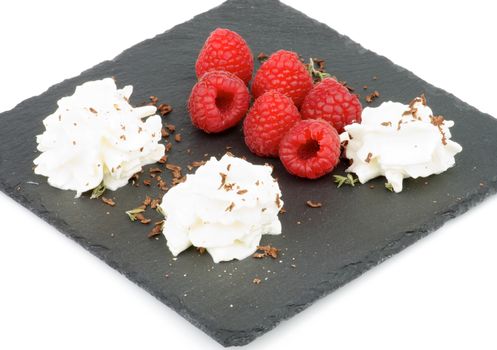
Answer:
(399, 141)
(95, 136)
(225, 207)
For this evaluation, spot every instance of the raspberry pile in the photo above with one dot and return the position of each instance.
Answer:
(292, 117)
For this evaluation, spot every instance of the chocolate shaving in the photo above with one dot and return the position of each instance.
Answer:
(256, 281)
(277, 200)
(372, 96)
(145, 221)
(156, 230)
(154, 171)
(223, 180)
(201, 250)
(282, 211)
(93, 110)
(147, 201)
(164, 133)
(108, 201)
(386, 123)
(177, 137)
(170, 127)
(155, 203)
(153, 100)
(398, 125)
(368, 158)
(197, 164)
(365, 87)
(168, 147)
(164, 109)
(267, 250)
(438, 121)
(230, 207)
(163, 159)
(313, 204)
(241, 192)
(147, 182)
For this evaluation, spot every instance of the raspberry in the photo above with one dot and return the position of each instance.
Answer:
(331, 101)
(283, 71)
(268, 120)
(225, 50)
(218, 101)
(310, 149)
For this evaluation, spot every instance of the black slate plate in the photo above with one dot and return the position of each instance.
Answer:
(322, 249)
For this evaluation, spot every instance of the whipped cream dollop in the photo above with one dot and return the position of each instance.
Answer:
(225, 207)
(95, 136)
(399, 141)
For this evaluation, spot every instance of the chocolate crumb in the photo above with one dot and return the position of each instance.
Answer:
(277, 200)
(228, 167)
(386, 123)
(241, 192)
(168, 147)
(147, 182)
(365, 87)
(282, 210)
(170, 127)
(258, 255)
(93, 110)
(201, 250)
(177, 137)
(256, 281)
(108, 201)
(164, 132)
(313, 204)
(145, 221)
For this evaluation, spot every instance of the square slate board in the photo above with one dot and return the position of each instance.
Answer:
(356, 228)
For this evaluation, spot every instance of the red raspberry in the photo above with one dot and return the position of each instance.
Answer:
(331, 101)
(283, 71)
(225, 50)
(310, 149)
(218, 101)
(268, 120)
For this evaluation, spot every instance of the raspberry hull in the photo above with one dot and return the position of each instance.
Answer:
(227, 51)
(267, 122)
(331, 101)
(310, 149)
(218, 101)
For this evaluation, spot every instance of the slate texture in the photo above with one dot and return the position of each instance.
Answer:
(322, 249)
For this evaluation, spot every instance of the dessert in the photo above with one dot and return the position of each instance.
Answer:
(95, 137)
(331, 101)
(218, 101)
(399, 141)
(283, 71)
(225, 50)
(225, 207)
(269, 118)
(310, 149)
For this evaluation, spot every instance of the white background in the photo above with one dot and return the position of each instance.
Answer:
(440, 293)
